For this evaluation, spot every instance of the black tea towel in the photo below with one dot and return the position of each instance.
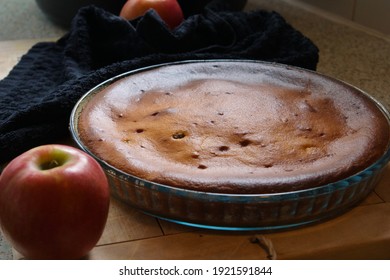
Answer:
(37, 97)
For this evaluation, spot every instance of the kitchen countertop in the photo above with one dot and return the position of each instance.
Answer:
(348, 52)
(22, 19)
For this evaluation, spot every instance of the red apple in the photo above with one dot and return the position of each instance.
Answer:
(169, 10)
(54, 202)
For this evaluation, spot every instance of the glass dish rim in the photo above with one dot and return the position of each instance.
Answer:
(309, 192)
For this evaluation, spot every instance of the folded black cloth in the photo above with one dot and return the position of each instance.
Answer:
(190, 8)
(37, 96)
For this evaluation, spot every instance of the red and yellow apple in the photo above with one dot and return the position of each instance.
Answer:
(169, 10)
(54, 202)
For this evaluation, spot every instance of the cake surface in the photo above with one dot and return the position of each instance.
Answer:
(234, 127)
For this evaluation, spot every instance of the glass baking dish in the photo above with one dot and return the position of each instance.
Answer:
(268, 212)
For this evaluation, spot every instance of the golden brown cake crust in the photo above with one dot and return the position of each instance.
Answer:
(234, 127)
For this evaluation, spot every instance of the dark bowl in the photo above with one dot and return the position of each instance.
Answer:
(61, 12)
